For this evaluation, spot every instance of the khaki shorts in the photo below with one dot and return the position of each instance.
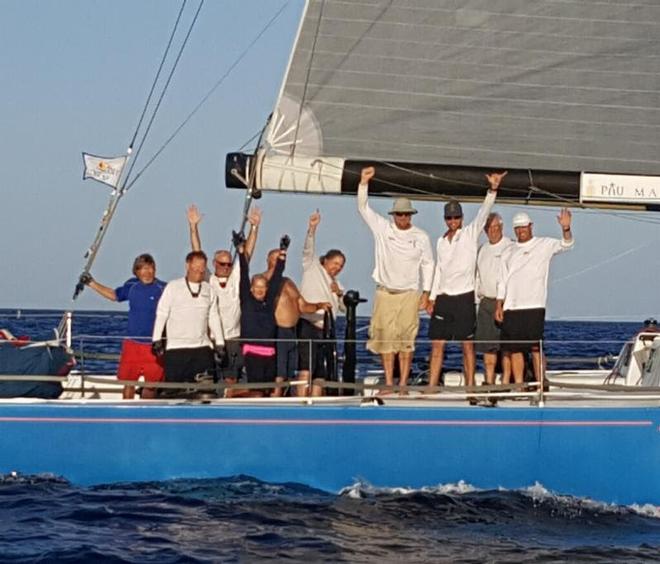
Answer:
(394, 322)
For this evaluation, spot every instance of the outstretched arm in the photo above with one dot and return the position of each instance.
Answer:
(104, 291)
(194, 219)
(254, 219)
(276, 280)
(308, 248)
(371, 218)
(244, 286)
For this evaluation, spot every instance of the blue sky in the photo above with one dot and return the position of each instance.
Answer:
(75, 75)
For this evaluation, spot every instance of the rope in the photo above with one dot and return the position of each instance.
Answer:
(307, 77)
(126, 186)
(160, 68)
(205, 98)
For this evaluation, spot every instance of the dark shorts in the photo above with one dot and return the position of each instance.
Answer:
(260, 369)
(232, 365)
(453, 318)
(488, 333)
(321, 354)
(287, 352)
(522, 329)
(183, 365)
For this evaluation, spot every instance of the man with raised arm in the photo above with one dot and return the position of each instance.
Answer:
(451, 305)
(188, 311)
(522, 290)
(319, 285)
(403, 259)
(225, 282)
(489, 261)
(288, 307)
(142, 293)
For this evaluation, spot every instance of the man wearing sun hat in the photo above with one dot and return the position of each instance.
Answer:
(452, 304)
(522, 290)
(403, 259)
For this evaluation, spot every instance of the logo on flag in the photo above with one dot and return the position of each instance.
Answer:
(102, 169)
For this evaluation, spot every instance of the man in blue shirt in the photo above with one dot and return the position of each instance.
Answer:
(142, 293)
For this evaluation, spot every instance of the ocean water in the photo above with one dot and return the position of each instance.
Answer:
(240, 519)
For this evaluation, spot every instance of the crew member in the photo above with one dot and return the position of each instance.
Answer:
(403, 256)
(188, 311)
(258, 323)
(319, 285)
(225, 282)
(289, 304)
(451, 305)
(142, 293)
(522, 290)
(487, 335)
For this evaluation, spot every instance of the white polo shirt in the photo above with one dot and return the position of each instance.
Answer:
(188, 319)
(403, 257)
(523, 280)
(456, 260)
(229, 301)
(489, 263)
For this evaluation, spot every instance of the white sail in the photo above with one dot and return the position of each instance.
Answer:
(517, 84)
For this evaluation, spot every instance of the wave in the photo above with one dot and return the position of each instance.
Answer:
(537, 494)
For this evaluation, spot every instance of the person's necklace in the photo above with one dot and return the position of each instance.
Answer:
(194, 294)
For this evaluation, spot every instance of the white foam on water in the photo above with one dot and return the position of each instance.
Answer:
(539, 494)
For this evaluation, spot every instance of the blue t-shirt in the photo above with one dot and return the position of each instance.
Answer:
(142, 301)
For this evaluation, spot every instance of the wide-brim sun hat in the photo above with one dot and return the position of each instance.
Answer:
(521, 219)
(402, 205)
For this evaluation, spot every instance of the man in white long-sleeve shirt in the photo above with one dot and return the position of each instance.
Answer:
(319, 285)
(452, 310)
(522, 290)
(488, 333)
(188, 311)
(403, 258)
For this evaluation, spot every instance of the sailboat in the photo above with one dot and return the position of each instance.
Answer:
(564, 96)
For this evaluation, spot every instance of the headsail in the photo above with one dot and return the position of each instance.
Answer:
(445, 90)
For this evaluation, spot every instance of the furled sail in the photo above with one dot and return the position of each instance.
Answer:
(563, 94)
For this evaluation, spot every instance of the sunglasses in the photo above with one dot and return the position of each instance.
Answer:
(453, 216)
(402, 214)
(222, 263)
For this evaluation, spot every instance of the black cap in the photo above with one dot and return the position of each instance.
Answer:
(453, 209)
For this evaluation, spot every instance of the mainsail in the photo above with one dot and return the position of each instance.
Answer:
(439, 91)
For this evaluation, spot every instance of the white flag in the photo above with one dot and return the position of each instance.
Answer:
(106, 170)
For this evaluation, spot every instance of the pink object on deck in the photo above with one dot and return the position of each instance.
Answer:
(258, 350)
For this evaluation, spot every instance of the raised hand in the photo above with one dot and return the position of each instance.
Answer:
(564, 218)
(254, 218)
(495, 178)
(314, 220)
(194, 216)
(367, 174)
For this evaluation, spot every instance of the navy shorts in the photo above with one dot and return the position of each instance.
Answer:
(287, 352)
(453, 318)
(522, 329)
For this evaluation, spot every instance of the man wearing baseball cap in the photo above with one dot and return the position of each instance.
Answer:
(403, 260)
(522, 290)
(452, 305)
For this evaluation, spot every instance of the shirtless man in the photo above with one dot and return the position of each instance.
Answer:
(289, 305)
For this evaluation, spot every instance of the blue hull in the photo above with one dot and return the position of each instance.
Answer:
(609, 454)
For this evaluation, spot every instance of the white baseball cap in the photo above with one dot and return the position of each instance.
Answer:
(521, 219)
